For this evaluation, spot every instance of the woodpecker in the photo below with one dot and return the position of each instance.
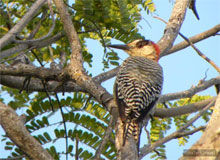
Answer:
(138, 85)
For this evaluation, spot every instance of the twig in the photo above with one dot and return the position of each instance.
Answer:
(47, 93)
(148, 135)
(105, 139)
(158, 153)
(43, 82)
(64, 123)
(195, 48)
(190, 132)
(77, 147)
(200, 53)
(14, 158)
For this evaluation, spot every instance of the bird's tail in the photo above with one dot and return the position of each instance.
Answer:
(131, 129)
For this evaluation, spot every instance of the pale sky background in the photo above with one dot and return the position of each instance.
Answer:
(181, 70)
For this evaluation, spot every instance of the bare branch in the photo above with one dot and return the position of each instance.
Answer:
(210, 138)
(195, 48)
(43, 37)
(190, 92)
(173, 26)
(38, 44)
(106, 75)
(29, 70)
(200, 53)
(197, 38)
(105, 139)
(187, 133)
(190, 108)
(16, 131)
(6, 39)
(147, 149)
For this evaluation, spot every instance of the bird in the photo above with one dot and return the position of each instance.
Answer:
(138, 85)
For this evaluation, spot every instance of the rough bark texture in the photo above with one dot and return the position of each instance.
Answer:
(208, 146)
(15, 129)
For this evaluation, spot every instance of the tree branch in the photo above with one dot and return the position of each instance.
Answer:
(197, 38)
(173, 26)
(75, 67)
(181, 110)
(190, 92)
(22, 47)
(105, 139)
(16, 131)
(29, 70)
(149, 148)
(210, 138)
(6, 39)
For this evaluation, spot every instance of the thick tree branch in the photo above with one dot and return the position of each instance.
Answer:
(29, 70)
(173, 26)
(75, 68)
(6, 39)
(44, 73)
(16, 131)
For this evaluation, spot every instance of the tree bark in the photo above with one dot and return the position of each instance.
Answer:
(16, 131)
(208, 146)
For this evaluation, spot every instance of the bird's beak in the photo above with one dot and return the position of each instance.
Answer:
(119, 46)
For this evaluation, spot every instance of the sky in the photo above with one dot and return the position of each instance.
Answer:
(182, 69)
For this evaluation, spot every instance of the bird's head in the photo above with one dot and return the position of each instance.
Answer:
(141, 48)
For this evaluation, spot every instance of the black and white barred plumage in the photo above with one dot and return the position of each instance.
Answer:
(137, 88)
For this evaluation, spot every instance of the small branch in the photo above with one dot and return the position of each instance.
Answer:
(197, 38)
(147, 149)
(29, 70)
(22, 47)
(64, 123)
(17, 132)
(187, 133)
(200, 53)
(195, 48)
(6, 39)
(106, 75)
(13, 158)
(44, 37)
(190, 92)
(105, 139)
(181, 110)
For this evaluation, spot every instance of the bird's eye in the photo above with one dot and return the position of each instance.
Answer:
(142, 43)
